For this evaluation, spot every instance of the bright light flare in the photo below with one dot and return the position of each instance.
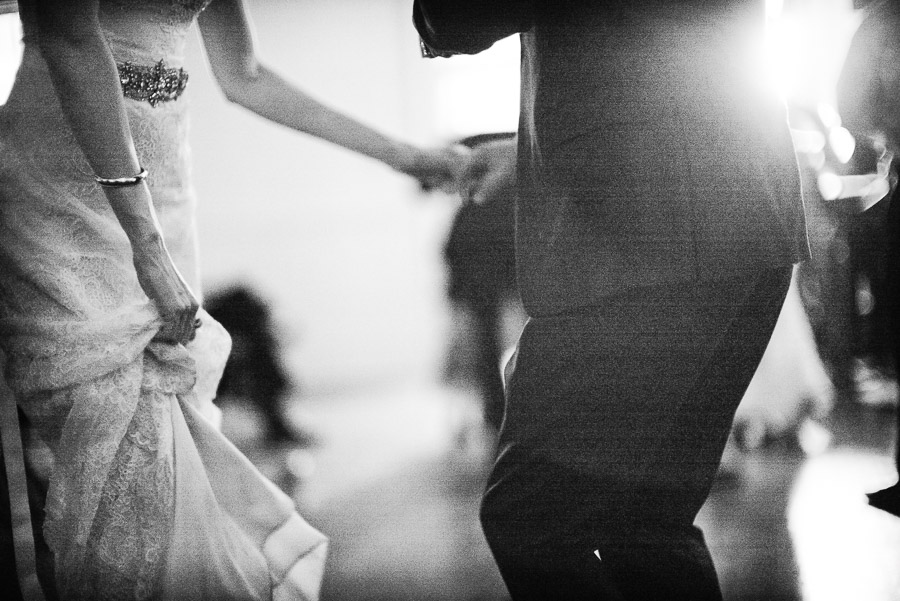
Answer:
(845, 550)
(828, 114)
(774, 8)
(783, 47)
(808, 141)
(842, 143)
(804, 46)
(830, 185)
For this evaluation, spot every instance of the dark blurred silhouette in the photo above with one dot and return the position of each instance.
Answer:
(480, 257)
(253, 373)
(869, 102)
(843, 284)
(37, 468)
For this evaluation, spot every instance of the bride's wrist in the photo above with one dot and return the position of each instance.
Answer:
(133, 208)
(148, 247)
(404, 157)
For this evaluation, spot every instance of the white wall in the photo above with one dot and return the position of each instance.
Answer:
(347, 251)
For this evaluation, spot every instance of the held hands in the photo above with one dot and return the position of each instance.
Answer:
(491, 168)
(475, 174)
(163, 284)
(436, 168)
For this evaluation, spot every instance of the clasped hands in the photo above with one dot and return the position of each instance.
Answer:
(476, 174)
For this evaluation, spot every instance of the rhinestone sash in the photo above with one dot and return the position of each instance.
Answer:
(153, 84)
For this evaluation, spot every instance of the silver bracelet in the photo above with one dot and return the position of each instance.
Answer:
(122, 182)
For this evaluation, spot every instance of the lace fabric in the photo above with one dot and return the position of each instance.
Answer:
(109, 507)
(111, 496)
(77, 328)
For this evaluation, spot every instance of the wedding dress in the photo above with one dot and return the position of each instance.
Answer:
(146, 498)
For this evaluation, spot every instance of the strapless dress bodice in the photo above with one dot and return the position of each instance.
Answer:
(147, 31)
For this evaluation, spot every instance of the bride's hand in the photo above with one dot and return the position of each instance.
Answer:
(163, 284)
(436, 168)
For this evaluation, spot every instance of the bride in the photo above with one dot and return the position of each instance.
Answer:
(108, 353)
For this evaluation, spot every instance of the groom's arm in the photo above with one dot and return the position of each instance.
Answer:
(469, 26)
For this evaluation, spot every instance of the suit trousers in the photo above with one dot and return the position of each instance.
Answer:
(616, 420)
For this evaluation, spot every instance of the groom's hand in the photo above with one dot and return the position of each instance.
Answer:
(491, 170)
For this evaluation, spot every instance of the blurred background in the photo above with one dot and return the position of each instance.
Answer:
(369, 317)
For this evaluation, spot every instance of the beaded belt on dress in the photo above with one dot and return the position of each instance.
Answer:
(154, 84)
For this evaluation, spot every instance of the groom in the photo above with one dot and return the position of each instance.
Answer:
(658, 217)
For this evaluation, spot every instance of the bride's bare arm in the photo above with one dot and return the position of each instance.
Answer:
(228, 38)
(87, 85)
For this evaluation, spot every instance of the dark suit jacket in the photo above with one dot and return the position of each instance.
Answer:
(649, 153)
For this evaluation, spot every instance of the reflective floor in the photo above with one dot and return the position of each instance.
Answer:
(395, 477)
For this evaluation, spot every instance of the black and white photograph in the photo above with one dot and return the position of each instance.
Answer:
(449, 300)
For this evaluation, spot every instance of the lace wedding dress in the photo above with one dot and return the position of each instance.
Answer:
(146, 498)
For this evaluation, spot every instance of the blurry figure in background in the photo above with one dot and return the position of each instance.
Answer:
(480, 256)
(869, 102)
(842, 287)
(253, 374)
